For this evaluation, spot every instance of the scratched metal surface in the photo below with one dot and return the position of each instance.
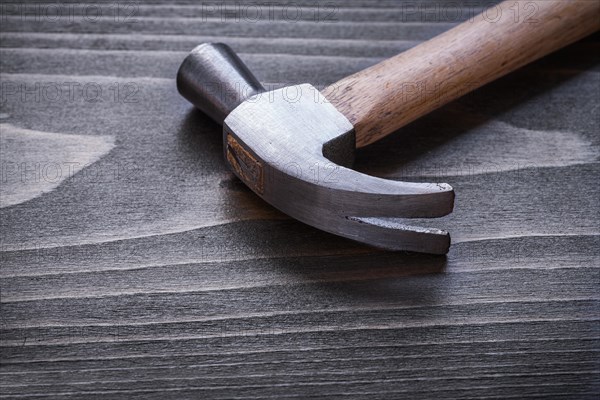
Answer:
(134, 265)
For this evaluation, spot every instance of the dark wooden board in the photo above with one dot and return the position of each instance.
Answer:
(134, 264)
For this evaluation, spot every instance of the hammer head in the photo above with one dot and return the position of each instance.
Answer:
(294, 149)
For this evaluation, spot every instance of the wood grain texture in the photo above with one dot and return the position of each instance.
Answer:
(395, 92)
(152, 273)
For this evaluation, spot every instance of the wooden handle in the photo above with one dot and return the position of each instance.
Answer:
(389, 95)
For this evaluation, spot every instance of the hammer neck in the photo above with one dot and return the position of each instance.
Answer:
(215, 80)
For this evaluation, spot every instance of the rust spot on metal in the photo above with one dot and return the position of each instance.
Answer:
(245, 165)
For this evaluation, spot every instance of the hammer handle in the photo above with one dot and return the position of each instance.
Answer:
(395, 92)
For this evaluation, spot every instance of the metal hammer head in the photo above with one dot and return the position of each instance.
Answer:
(293, 149)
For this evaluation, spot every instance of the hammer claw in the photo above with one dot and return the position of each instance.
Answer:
(355, 193)
(393, 234)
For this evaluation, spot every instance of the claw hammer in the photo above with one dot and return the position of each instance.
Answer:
(274, 141)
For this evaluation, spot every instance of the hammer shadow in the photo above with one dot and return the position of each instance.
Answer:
(200, 139)
(477, 108)
(381, 278)
(334, 267)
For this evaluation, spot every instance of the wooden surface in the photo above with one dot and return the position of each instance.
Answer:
(145, 270)
(478, 51)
